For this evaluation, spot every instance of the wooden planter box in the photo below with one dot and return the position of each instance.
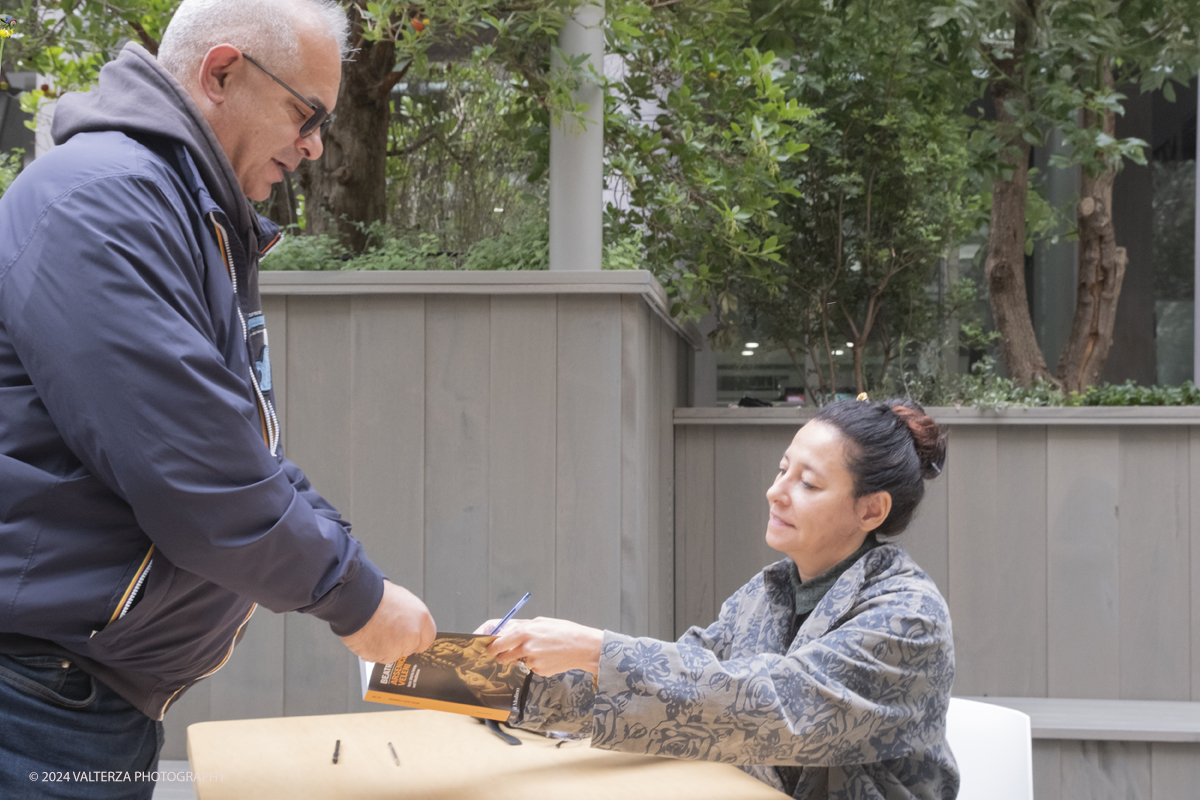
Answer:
(487, 434)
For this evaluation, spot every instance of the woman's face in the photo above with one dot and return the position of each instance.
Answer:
(815, 517)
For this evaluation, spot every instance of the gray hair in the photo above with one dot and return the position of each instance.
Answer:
(267, 29)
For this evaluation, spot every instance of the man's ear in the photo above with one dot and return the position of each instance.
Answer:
(873, 509)
(218, 65)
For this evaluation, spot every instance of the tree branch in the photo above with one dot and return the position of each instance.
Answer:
(148, 41)
(428, 135)
(385, 86)
(422, 140)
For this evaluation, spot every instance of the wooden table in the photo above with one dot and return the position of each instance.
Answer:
(442, 757)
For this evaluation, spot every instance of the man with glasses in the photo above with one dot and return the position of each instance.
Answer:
(320, 119)
(146, 504)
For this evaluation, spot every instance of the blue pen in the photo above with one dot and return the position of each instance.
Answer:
(509, 615)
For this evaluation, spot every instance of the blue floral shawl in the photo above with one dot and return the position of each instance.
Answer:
(857, 699)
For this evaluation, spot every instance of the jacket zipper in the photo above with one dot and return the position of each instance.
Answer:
(270, 419)
(130, 593)
(232, 643)
(267, 250)
(272, 431)
(137, 587)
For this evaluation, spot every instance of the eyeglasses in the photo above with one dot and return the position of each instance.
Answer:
(320, 117)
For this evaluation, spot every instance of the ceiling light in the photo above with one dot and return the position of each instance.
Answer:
(849, 344)
(751, 345)
(839, 352)
(747, 352)
(497, 210)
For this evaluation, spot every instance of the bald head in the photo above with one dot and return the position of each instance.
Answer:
(270, 30)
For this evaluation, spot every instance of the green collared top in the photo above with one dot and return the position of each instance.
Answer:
(809, 593)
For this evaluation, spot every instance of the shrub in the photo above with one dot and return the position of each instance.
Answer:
(523, 246)
(982, 388)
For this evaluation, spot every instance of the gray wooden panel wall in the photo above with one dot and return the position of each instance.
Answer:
(1069, 555)
(483, 445)
(722, 474)
(1097, 770)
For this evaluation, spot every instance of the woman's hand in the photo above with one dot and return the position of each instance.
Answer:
(547, 646)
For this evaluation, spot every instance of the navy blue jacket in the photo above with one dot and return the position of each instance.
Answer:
(145, 504)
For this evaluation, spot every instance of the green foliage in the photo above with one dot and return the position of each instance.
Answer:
(1130, 394)
(10, 166)
(698, 189)
(1152, 43)
(884, 191)
(698, 129)
(799, 167)
(70, 40)
(522, 38)
(983, 388)
(459, 166)
(623, 253)
(525, 246)
(307, 253)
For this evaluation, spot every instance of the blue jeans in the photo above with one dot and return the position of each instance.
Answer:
(64, 734)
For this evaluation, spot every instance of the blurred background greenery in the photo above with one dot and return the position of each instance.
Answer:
(814, 182)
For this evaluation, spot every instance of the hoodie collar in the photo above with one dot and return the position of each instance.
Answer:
(136, 95)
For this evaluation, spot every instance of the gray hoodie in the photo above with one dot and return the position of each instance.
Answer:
(130, 98)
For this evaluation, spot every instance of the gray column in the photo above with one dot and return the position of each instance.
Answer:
(577, 154)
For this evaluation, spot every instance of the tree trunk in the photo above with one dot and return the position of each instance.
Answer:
(280, 207)
(1004, 269)
(1101, 271)
(346, 188)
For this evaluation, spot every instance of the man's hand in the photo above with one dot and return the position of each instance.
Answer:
(400, 626)
(548, 646)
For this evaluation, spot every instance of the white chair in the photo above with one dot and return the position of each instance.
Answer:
(994, 749)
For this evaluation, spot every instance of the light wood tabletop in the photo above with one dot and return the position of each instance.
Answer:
(442, 757)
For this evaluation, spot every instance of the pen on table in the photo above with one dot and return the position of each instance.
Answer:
(336, 746)
(509, 615)
(395, 757)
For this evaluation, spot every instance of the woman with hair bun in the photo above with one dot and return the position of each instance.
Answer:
(827, 675)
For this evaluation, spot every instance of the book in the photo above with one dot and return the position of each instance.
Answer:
(454, 674)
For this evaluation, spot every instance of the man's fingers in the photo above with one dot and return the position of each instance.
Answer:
(428, 634)
(400, 626)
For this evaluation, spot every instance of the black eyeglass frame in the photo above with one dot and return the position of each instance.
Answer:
(320, 118)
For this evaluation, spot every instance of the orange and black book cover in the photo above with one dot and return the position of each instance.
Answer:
(455, 674)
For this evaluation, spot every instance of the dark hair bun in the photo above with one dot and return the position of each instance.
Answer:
(893, 447)
(930, 440)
